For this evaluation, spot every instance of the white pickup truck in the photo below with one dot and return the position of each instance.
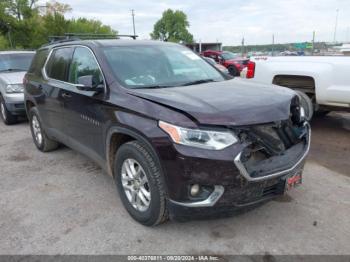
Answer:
(322, 82)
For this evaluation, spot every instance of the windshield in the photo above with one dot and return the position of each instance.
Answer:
(17, 62)
(228, 55)
(159, 66)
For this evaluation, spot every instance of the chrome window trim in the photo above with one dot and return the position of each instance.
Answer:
(243, 171)
(46, 77)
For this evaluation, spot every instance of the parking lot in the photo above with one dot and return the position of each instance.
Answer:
(62, 203)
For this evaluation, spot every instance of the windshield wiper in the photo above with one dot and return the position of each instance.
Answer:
(197, 82)
(11, 69)
(151, 87)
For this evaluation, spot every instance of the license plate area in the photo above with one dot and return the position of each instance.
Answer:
(293, 181)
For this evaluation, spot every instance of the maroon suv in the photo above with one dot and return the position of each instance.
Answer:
(232, 62)
(177, 136)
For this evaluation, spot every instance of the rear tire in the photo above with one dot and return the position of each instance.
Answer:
(6, 116)
(233, 71)
(152, 210)
(41, 140)
(307, 104)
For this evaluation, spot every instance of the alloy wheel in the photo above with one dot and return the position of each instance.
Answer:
(136, 185)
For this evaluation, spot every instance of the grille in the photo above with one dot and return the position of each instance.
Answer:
(272, 190)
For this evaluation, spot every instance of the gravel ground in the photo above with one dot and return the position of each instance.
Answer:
(62, 203)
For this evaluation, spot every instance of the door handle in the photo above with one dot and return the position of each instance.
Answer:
(65, 95)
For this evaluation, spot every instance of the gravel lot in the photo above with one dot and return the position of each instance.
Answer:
(62, 203)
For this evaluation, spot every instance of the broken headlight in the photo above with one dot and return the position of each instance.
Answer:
(206, 139)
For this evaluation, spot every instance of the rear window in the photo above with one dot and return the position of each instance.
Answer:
(58, 64)
(38, 62)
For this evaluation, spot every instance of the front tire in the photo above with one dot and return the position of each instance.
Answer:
(140, 184)
(41, 140)
(6, 116)
(307, 104)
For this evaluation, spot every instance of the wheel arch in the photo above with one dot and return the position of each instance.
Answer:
(116, 137)
(304, 83)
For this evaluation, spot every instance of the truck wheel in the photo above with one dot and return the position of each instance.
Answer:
(140, 185)
(6, 115)
(233, 71)
(41, 140)
(306, 103)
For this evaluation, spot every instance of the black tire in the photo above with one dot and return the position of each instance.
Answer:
(45, 144)
(157, 212)
(6, 116)
(307, 104)
(233, 71)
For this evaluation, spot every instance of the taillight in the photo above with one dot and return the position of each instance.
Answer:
(250, 69)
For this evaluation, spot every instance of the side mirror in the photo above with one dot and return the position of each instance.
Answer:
(88, 83)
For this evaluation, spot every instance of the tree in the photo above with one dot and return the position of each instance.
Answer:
(21, 9)
(56, 7)
(172, 27)
(91, 26)
(22, 25)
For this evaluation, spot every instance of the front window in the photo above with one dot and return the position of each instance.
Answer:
(158, 66)
(228, 55)
(84, 64)
(15, 62)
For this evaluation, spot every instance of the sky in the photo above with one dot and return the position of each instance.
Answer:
(227, 21)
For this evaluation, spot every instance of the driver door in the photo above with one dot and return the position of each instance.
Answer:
(84, 109)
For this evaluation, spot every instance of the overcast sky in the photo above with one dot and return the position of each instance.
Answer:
(227, 21)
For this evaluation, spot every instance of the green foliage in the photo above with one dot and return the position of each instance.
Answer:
(4, 44)
(83, 25)
(29, 29)
(172, 27)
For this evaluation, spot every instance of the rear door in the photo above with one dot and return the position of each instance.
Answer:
(83, 110)
(53, 88)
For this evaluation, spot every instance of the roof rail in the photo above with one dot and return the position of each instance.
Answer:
(82, 36)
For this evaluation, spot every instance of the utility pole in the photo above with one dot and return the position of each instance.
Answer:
(133, 20)
(336, 25)
(313, 42)
(273, 44)
(242, 46)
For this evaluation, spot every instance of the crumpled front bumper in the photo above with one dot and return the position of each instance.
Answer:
(246, 191)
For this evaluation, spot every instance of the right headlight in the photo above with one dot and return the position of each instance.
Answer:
(206, 139)
(17, 88)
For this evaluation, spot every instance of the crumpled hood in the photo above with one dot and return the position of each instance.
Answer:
(232, 102)
(13, 77)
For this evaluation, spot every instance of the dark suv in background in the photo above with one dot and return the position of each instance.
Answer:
(176, 135)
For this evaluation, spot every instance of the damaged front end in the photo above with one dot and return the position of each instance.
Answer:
(274, 149)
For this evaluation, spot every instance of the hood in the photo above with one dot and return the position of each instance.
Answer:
(231, 102)
(13, 77)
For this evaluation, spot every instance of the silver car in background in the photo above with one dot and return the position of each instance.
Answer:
(13, 66)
